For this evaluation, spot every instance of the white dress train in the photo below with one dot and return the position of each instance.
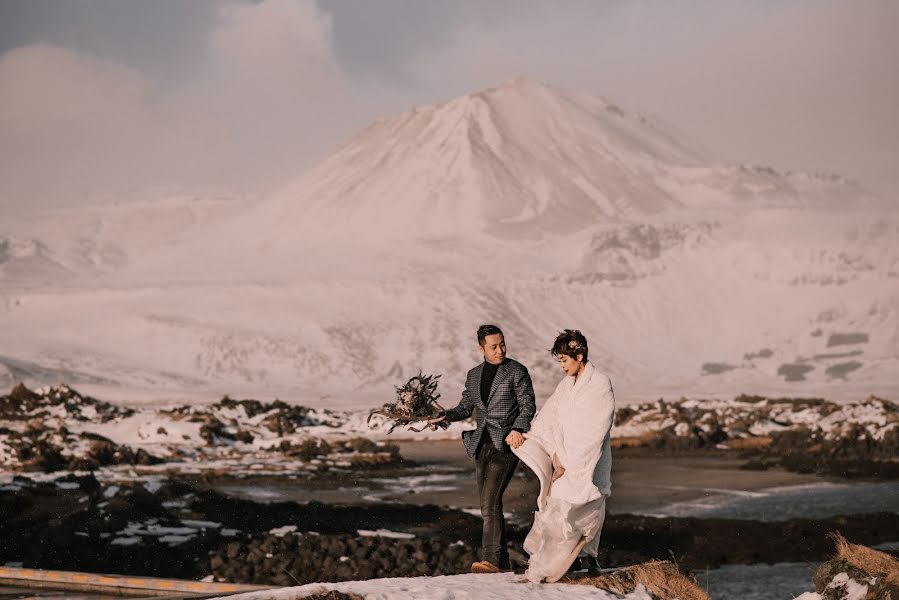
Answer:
(575, 424)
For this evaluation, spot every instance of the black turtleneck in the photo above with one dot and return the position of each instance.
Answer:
(487, 377)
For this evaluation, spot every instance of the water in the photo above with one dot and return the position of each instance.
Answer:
(813, 501)
(758, 582)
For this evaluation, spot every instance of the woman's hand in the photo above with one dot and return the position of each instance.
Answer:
(558, 469)
(558, 472)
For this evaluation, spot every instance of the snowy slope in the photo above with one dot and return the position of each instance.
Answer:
(63, 245)
(24, 260)
(524, 205)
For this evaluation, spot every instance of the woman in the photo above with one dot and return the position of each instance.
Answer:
(568, 447)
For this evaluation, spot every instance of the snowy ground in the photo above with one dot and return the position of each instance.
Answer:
(501, 586)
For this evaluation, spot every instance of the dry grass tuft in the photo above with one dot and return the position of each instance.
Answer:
(660, 578)
(866, 559)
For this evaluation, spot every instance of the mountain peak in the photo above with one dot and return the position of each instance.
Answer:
(523, 159)
(520, 159)
(519, 83)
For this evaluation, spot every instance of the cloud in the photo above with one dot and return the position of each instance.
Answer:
(76, 126)
(274, 79)
(275, 43)
(811, 86)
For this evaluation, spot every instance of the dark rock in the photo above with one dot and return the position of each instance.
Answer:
(244, 436)
(45, 457)
(233, 550)
(22, 396)
(310, 449)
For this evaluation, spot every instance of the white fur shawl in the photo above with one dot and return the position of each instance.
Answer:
(575, 424)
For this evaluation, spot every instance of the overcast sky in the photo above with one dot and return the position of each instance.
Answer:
(112, 98)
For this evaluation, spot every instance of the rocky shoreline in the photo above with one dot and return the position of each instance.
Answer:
(175, 528)
(58, 429)
(802, 435)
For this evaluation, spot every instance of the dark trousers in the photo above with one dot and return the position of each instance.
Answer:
(494, 471)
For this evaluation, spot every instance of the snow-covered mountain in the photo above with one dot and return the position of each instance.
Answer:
(524, 205)
(523, 160)
(61, 245)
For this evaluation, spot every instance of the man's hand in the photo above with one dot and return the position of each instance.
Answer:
(432, 423)
(515, 439)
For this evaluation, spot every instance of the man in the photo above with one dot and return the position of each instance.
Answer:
(501, 394)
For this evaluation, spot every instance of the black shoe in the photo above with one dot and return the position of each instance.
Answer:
(591, 565)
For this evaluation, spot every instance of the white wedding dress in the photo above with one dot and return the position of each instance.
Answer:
(575, 424)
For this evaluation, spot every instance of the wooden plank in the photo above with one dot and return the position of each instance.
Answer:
(124, 585)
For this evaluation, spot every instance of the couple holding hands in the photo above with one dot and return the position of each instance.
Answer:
(567, 445)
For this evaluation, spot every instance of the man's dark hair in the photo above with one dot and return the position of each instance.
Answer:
(485, 330)
(570, 342)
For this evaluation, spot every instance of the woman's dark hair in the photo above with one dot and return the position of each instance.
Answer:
(485, 330)
(570, 342)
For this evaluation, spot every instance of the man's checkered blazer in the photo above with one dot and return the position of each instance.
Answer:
(511, 405)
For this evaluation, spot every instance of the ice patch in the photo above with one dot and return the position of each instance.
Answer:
(153, 485)
(421, 483)
(174, 540)
(282, 531)
(477, 513)
(386, 533)
(126, 541)
(201, 524)
(260, 494)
